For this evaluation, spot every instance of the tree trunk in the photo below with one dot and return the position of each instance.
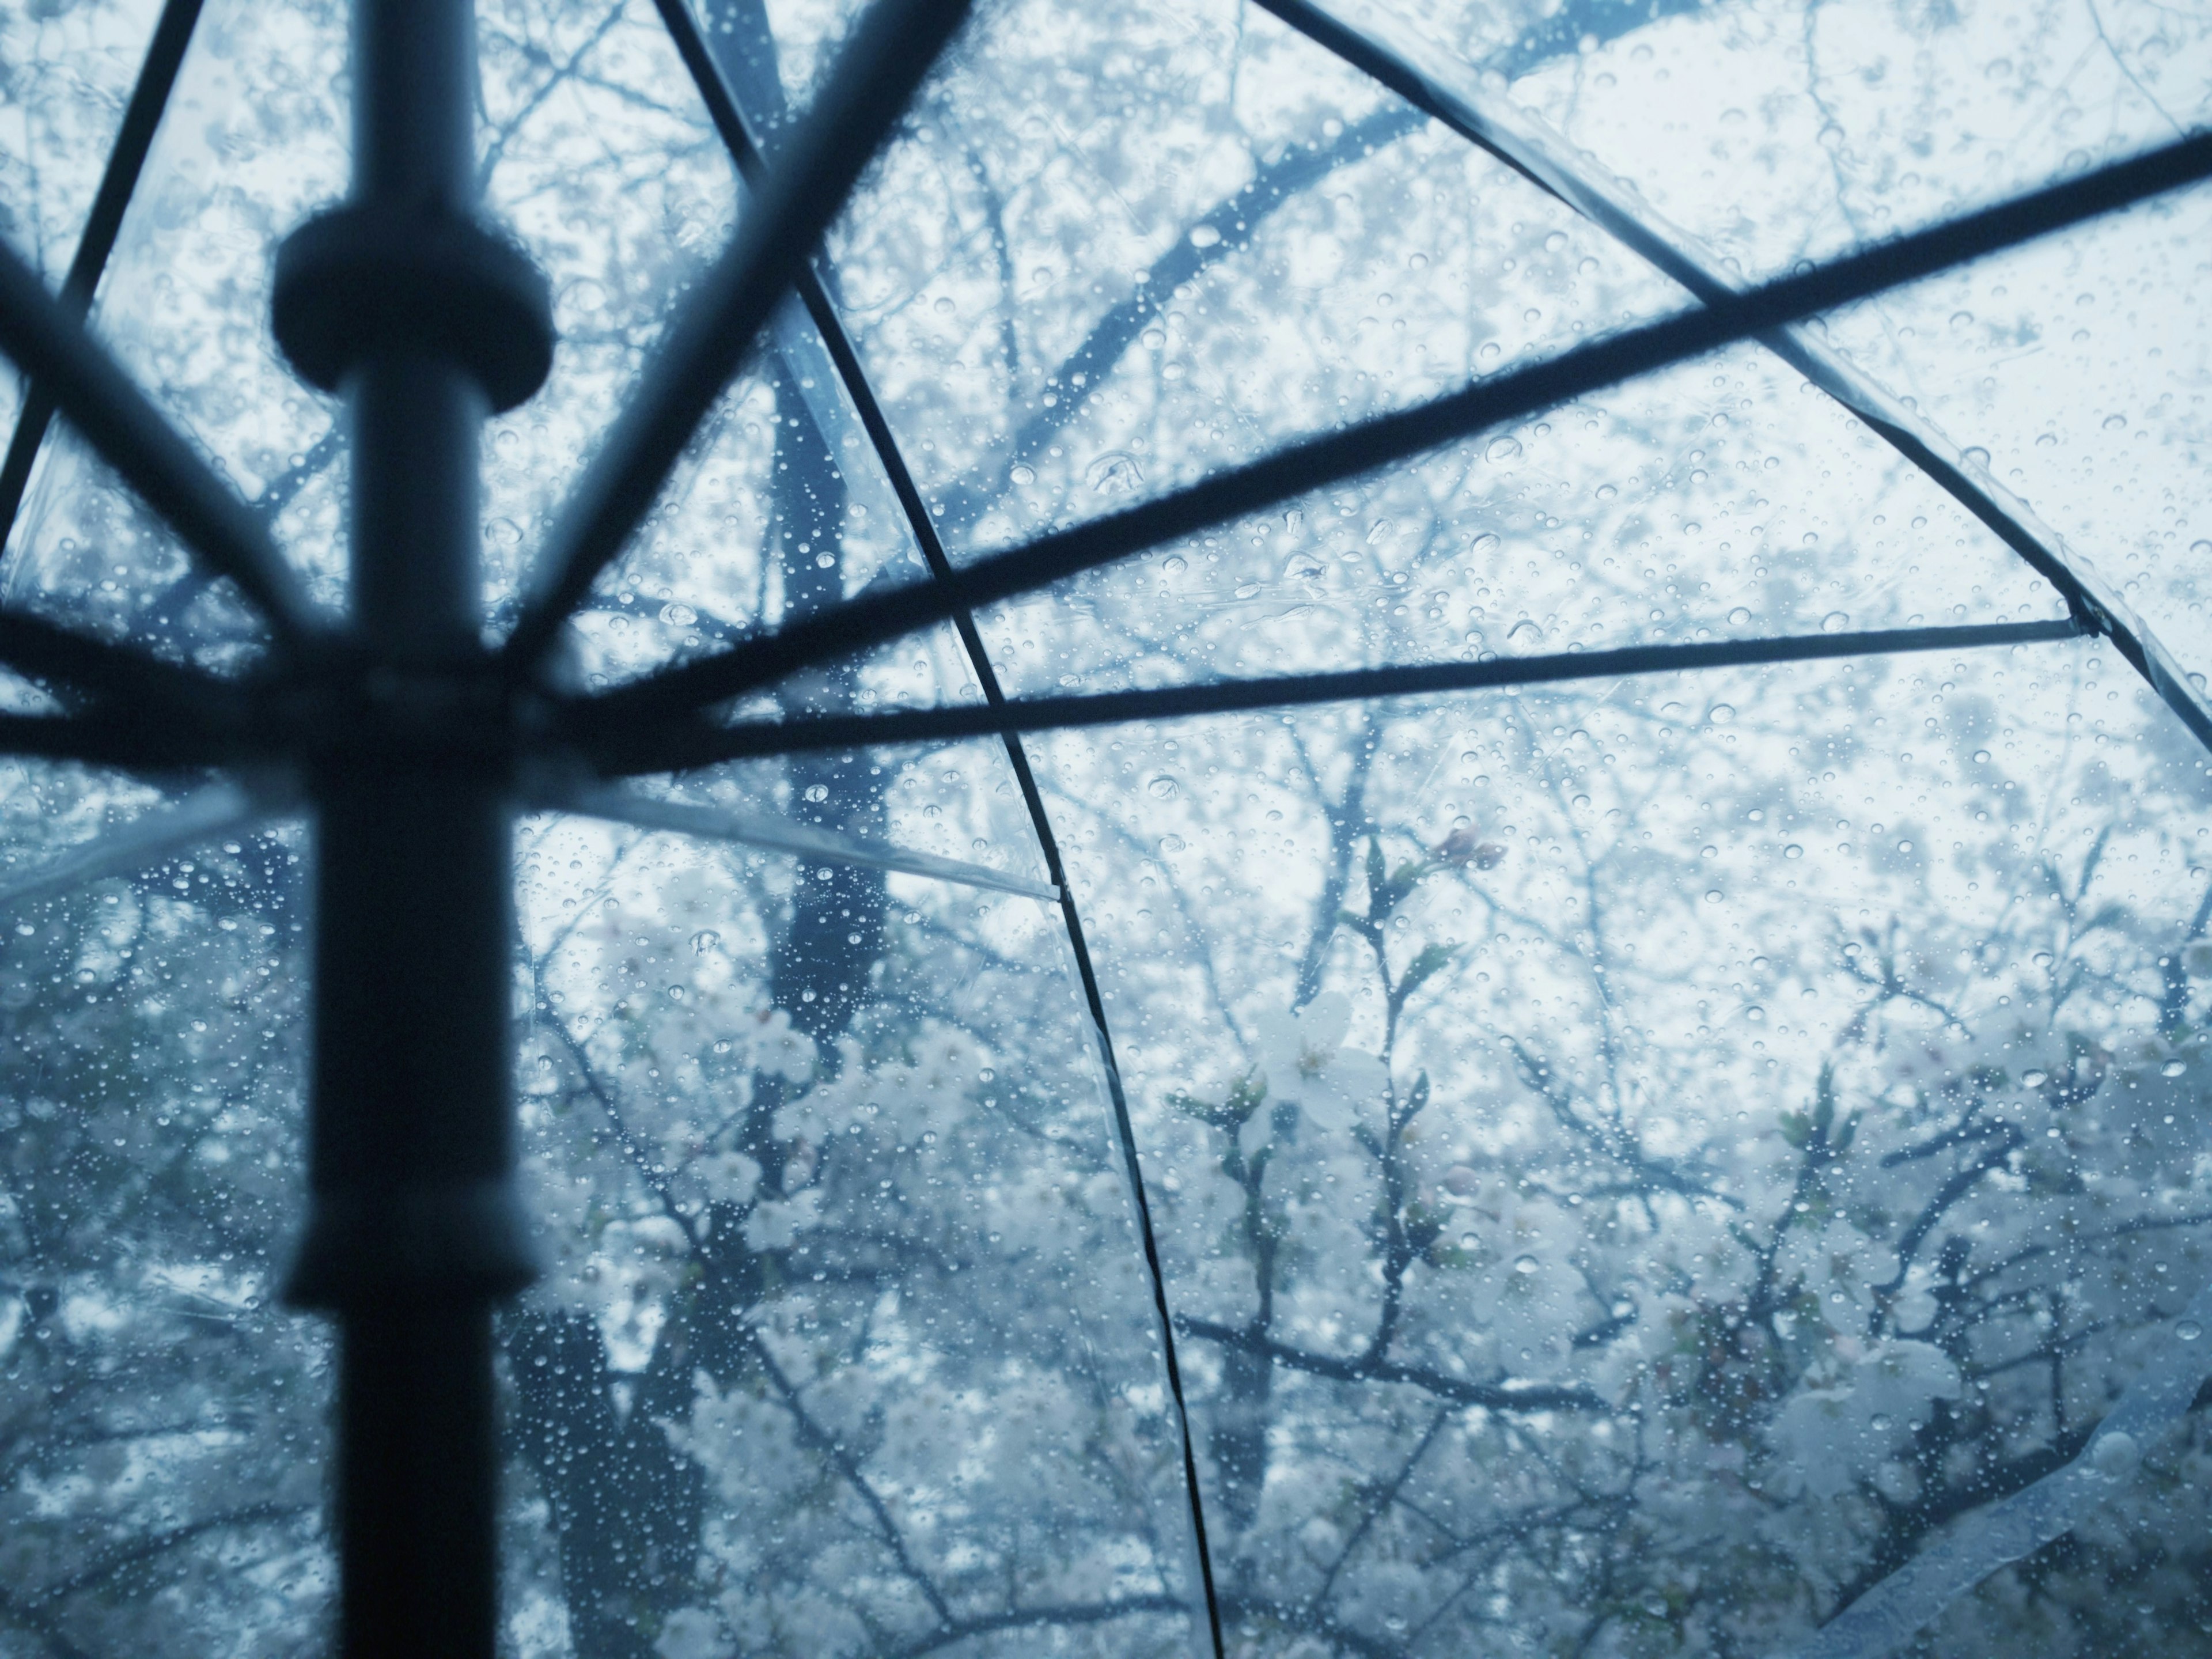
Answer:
(628, 1508)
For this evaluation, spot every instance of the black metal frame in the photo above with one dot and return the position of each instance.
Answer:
(415, 744)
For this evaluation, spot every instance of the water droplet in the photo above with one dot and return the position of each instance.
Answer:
(1485, 545)
(1981, 757)
(2172, 1068)
(2189, 1330)
(1835, 621)
(2115, 422)
(1023, 475)
(503, 532)
(1793, 851)
(2200, 549)
(817, 792)
(1503, 449)
(2034, 1079)
(1174, 563)
(1172, 843)
(1162, 787)
(1976, 456)
(1714, 896)
(677, 615)
(1525, 1264)
(1468, 1241)
(1525, 629)
(1293, 517)
(823, 560)
(675, 994)
(1204, 236)
(1962, 320)
(1722, 713)
(1739, 617)
(1114, 473)
(705, 940)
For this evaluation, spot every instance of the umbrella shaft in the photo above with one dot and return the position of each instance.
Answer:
(416, 1511)
(411, 1123)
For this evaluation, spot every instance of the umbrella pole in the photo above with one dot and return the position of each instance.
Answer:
(397, 299)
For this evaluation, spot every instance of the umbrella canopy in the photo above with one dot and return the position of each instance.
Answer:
(1246, 828)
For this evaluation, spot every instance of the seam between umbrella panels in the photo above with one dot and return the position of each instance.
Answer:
(721, 104)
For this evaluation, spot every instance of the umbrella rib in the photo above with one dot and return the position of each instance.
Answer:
(745, 150)
(1543, 156)
(893, 47)
(628, 750)
(133, 741)
(777, 835)
(1314, 463)
(118, 180)
(43, 650)
(55, 350)
(142, 841)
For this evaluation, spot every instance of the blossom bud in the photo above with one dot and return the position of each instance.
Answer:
(1461, 848)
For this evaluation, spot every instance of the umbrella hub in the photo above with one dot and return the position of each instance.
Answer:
(375, 277)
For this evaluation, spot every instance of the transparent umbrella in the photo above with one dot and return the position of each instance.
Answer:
(1208, 829)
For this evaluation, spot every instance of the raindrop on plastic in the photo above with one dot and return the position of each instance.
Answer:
(1113, 473)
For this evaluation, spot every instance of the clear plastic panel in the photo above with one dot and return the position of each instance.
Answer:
(607, 164)
(599, 154)
(1501, 42)
(162, 1417)
(2078, 372)
(1636, 1164)
(1784, 129)
(251, 143)
(710, 564)
(1722, 499)
(806, 37)
(849, 1343)
(66, 72)
(90, 554)
(1128, 245)
(780, 507)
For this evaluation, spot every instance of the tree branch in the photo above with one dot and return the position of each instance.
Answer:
(1502, 1396)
